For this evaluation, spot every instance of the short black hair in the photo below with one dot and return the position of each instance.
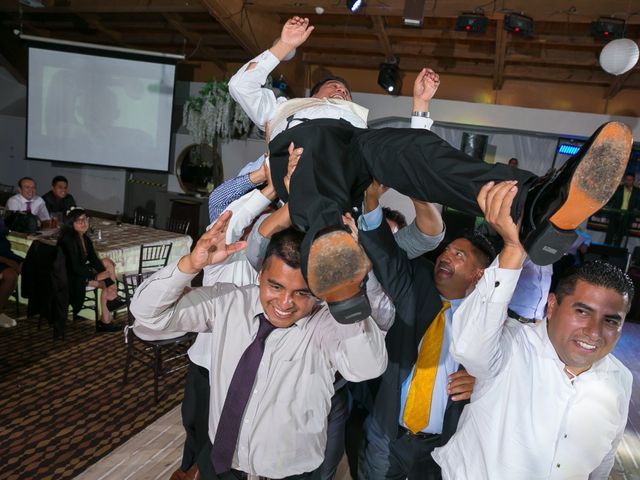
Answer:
(286, 246)
(328, 78)
(394, 216)
(23, 179)
(598, 273)
(59, 178)
(482, 247)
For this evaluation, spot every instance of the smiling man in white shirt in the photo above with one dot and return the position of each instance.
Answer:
(550, 401)
(28, 201)
(280, 425)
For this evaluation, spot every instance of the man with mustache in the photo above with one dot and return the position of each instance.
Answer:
(550, 400)
(275, 351)
(413, 414)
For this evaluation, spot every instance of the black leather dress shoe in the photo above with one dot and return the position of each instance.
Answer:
(559, 202)
(107, 327)
(336, 269)
(116, 304)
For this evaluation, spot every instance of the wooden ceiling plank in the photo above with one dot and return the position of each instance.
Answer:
(196, 40)
(256, 31)
(500, 52)
(93, 20)
(119, 6)
(617, 84)
(383, 38)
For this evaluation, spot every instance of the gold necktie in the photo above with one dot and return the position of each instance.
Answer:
(418, 405)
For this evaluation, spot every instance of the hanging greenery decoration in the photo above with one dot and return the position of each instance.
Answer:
(213, 115)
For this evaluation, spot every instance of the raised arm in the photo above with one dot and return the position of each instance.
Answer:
(246, 85)
(479, 338)
(160, 302)
(424, 88)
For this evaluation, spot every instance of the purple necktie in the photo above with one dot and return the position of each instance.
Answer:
(237, 398)
(28, 206)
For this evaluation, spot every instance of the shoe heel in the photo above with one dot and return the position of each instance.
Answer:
(548, 244)
(351, 310)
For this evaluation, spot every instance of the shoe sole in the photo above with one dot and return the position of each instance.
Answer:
(596, 178)
(336, 266)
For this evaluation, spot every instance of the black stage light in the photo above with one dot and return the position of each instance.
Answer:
(389, 77)
(608, 28)
(520, 24)
(471, 22)
(354, 5)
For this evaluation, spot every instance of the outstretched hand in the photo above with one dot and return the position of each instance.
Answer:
(426, 84)
(211, 247)
(294, 158)
(495, 201)
(296, 31)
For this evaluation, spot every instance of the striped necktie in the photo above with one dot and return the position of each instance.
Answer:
(418, 405)
(224, 445)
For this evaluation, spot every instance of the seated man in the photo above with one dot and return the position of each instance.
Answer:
(58, 199)
(28, 201)
(10, 268)
(268, 405)
(550, 400)
(341, 157)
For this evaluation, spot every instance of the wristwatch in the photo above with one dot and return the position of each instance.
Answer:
(421, 114)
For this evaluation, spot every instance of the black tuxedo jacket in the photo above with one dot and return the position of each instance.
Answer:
(411, 286)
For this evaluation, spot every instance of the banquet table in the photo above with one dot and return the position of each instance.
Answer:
(121, 243)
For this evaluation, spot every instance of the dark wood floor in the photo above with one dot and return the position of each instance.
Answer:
(627, 465)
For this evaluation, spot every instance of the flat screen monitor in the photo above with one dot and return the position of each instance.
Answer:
(99, 107)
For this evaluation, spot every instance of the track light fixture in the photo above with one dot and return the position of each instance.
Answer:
(389, 76)
(354, 5)
(606, 27)
(472, 22)
(520, 24)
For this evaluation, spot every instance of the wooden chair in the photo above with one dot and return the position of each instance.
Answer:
(177, 225)
(140, 219)
(162, 352)
(153, 257)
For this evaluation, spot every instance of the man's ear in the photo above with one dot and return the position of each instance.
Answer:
(479, 275)
(552, 303)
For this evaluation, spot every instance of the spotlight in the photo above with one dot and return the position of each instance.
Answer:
(520, 24)
(413, 13)
(354, 5)
(471, 22)
(389, 77)
(608, 28)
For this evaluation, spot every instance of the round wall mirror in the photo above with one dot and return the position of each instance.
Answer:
(199, 168)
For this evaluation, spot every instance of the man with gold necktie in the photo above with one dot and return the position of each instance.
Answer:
(422, 393)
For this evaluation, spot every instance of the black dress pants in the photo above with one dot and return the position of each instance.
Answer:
(195, 413)
(339, 162)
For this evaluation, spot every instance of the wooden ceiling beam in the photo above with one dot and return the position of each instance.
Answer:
(256, 31)
(500, 52)
(383, 38)
(196, 40)
(93, 20)
(119, 6)
(617, 84)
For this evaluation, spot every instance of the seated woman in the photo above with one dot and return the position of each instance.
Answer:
(84, 268)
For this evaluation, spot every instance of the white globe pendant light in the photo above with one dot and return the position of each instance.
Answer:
(619, 56)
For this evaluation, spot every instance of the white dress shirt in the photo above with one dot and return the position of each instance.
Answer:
(260, 104)
(283, 430)
(526, 419)
(529, 299)
(18, 203)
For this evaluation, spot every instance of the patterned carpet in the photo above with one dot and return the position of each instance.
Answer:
(62, 403)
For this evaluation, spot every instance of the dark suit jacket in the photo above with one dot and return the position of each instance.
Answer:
(411, 286)
(634, 201)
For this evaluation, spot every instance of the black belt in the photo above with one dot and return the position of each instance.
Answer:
(519, 317)
(418, 435)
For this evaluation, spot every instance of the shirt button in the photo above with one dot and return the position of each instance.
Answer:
(565, 435)
(558, 465)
